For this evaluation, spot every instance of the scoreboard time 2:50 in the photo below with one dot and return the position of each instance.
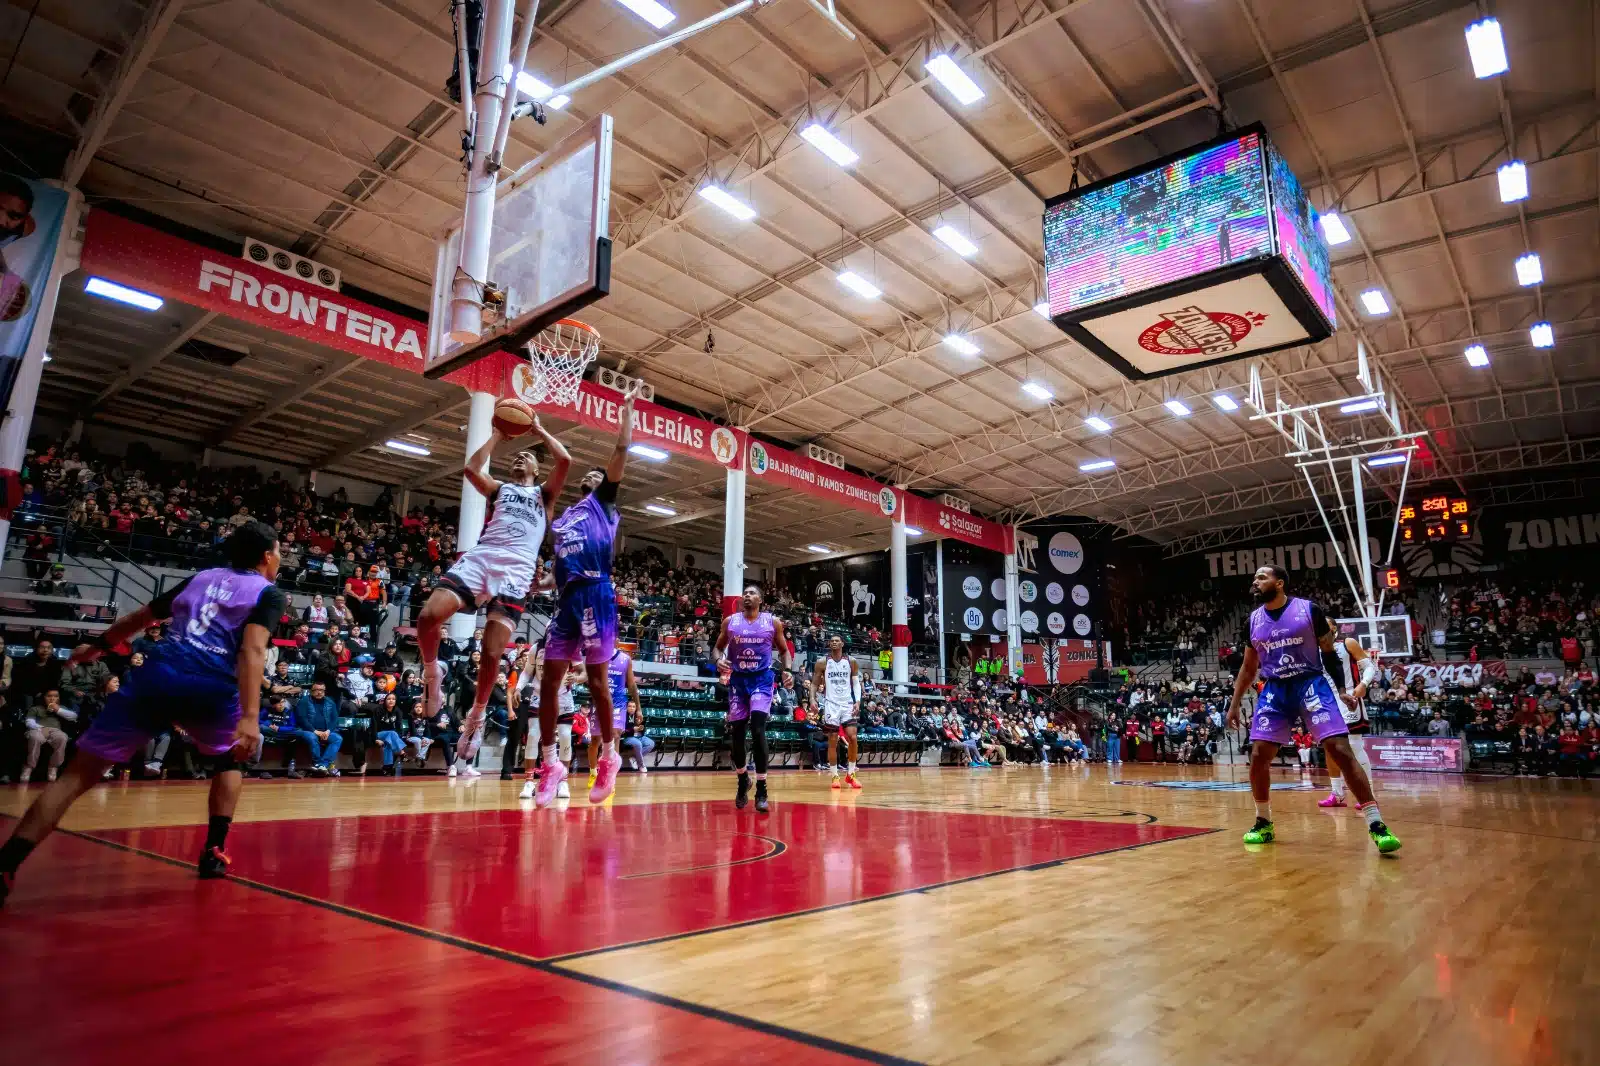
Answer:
(1439, 518)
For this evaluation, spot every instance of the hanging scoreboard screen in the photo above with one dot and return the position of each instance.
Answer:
(1203, 257)
(1439, 518)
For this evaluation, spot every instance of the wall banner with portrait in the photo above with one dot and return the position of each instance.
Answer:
(31, 216)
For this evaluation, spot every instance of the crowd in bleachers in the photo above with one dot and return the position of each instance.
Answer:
(1493, 616)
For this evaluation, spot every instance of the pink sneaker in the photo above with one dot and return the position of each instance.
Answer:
(555, 774)
(1332, 800)
(605, 778)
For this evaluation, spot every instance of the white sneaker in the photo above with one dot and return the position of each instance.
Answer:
(471, 771)
(452, 771)
(643, 769)
(563, 792)
(527, 791)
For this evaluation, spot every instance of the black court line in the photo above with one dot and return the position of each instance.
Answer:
(545, 966)
(775, 848)
(826, 907)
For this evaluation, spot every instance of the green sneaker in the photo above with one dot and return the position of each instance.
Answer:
(1261, 833)
(1381, 836)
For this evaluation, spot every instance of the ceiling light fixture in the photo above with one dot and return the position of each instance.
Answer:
(1477, 355)
(820, 549)
(146, 301)
(531, 85)
(1530, 271)
(1392, 459)
(913, 531)
(716, 194)
(1487, 48)
(1543, 335)
(957, 342)
(1038, 391)
(407, 447)
(1374, 302)
(1334, 229)
(956, 241)
(658, 15)
(819, 138)
(1178, 407)
(1095, 422)
(1098, 464)
(1513, 181)
(952, 77)
(1356, 407)
(1225, 402)
(644, 451)
(663, 511)
(859, 285)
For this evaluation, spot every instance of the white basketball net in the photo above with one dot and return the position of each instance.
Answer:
(558, 356)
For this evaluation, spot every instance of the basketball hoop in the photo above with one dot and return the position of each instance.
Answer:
(557, 358)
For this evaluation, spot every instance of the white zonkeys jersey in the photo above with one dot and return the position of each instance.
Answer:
(517, 525)
(838, 691)
(1350, 674)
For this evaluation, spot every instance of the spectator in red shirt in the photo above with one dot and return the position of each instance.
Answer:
(1303, 743)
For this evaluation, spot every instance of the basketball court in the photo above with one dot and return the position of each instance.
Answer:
(1204, 273)
(940, 916)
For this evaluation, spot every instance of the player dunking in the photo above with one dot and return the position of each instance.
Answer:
(1287, 639)
(836, 684)
(584, 626)
(744, 651)
(206, 678)
(1355, 675)
(497, 572)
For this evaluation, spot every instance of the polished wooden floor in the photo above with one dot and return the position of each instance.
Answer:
(940, 916)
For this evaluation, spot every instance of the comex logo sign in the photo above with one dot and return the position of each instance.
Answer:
(758, 458)
(1065, 553)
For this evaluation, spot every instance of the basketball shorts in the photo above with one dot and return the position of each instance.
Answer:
(158, 696)
(584, 628)
(492, 577)
(1285, 700)
(750, 693)
(836, 714)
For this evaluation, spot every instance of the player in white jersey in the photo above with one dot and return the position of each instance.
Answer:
(836, 686)
(496, 573)
(1354, 672)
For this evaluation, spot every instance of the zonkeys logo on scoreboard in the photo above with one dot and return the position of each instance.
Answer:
(1195, 331)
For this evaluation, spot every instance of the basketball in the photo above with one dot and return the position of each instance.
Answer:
(512, 418)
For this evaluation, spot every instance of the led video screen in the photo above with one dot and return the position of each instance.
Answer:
(1184, 218)
(1300, 242)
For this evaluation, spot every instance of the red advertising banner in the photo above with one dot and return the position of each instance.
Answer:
(1439, 755)
(1059, 663)
(177, 269)
(804, 474)
(937, 520)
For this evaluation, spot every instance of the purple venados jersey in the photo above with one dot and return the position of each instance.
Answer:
(208, 619)
(584, 535)
(750, 642)
(617, 675)
(1286, 647)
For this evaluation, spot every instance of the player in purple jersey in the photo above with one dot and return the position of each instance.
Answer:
(205, 678)
(584, 626)
(743, 656)
(496, 573)
(624, 697)
(1289, 639)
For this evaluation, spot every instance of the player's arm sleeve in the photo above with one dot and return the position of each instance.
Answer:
(161, 607)
(269, 609)
(1319, 622)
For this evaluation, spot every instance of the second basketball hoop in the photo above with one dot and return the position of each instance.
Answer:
(557, 359)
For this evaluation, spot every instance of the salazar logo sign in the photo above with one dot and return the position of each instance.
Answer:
(1194, 331)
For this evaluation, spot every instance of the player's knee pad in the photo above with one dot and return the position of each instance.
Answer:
(221, 764)
(564, 741)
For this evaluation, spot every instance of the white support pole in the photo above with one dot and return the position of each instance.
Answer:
(601, 73)
(466, 305)
(405, 502)
(25, 391)
(519, 62)
(473, 505)
(899, 615)
(1363, 548)
(733, 541)
(1013, 613)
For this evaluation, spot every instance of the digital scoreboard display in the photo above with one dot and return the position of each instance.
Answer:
(1437, 519)
(1187, 217)
(1199, 258)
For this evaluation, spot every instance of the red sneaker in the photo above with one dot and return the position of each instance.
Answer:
(850, 779)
